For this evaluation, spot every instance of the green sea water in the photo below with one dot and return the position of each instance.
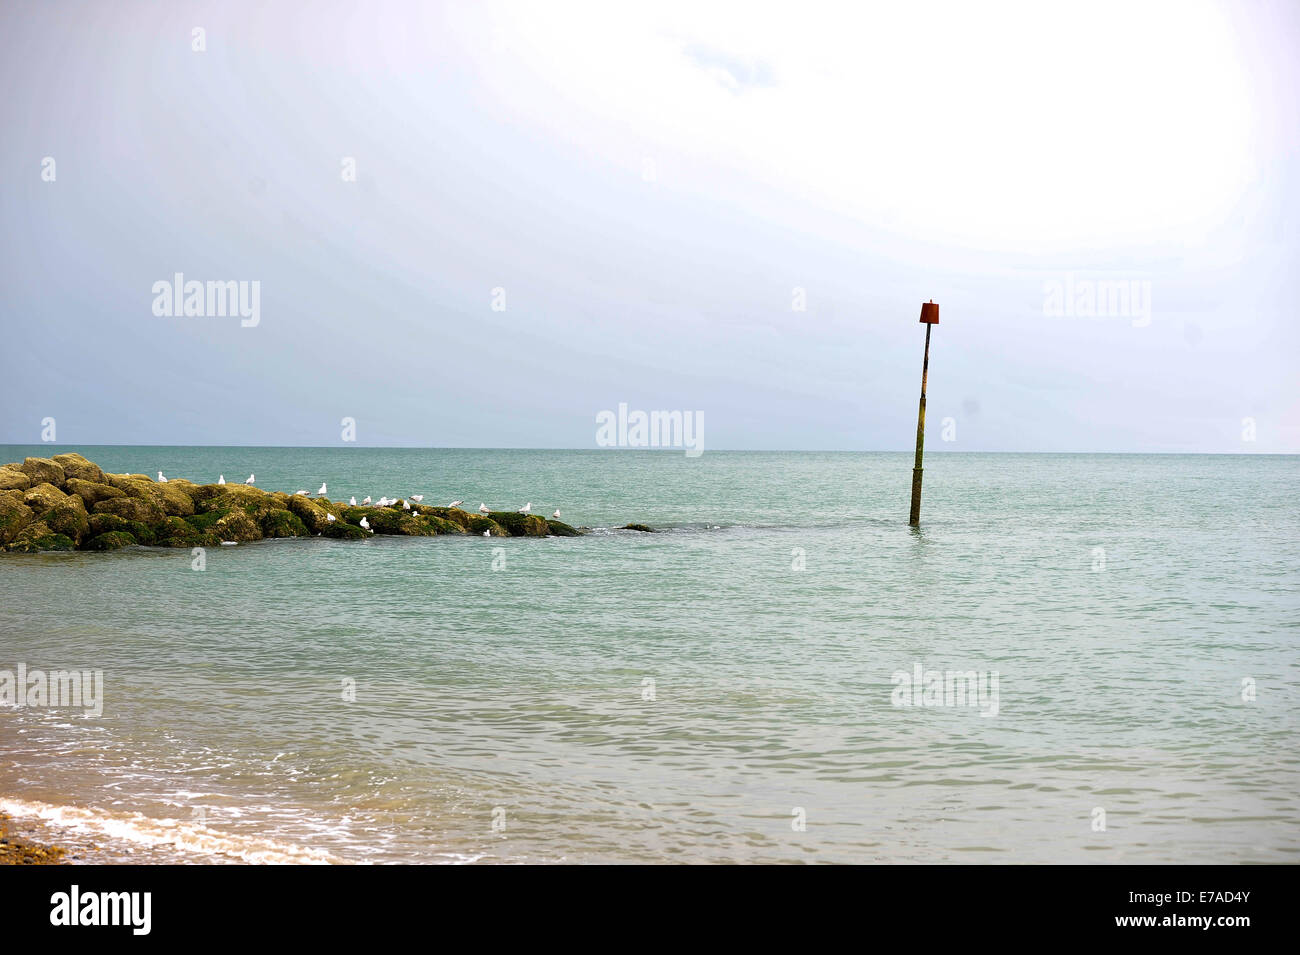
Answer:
(721, 690)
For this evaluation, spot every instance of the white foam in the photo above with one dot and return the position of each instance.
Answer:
(184, 836)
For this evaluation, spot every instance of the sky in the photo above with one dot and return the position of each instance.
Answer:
(482, 225)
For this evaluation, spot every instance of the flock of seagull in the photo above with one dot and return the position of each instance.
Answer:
(382, 502)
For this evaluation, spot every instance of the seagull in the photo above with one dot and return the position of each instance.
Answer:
(487, 533)
(330, 518)
(161, 478)
(250, 479)
(365, 523)
(417, 498)
(455, 503)
(352, 501)
(222, 479)
(527, 508)
(556, 515)
(322, 488)
(406, 506)
(366, 501)
(303, 493)
(483, 509)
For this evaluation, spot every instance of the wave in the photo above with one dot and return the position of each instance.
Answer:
(184, 837)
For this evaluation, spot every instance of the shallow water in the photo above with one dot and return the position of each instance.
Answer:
(507, 714)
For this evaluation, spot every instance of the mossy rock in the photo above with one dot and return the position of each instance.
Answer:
(91, 492)
(342, 530)
(170, 497)
(132, 509)
(454, 514)
(38, 537)
(68, 517)
(110, 541)
(43, 471)
(309, 512)
(41, 497)
(277, 522)
(561, 529)
(478, 524)
(14, 515)
(236, 526)
(521, 525)
(638, 527)
(75, 466)
(394, 520)
(178, 532)
(11, 479)
(109, 523)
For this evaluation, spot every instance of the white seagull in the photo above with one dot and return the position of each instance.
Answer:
(322, 488)
(366, 501)
(161, 478)
(487, 533)
(352, 501)
(222, 479)
(455, 503)
(417, 498)
(304, 493)
(527, 508)
(250, 479)
(556, 515)
(483, 509)
(365, 523)
(406, 505)
(330, 518)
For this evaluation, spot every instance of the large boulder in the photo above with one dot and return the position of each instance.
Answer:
(12, 478)
(37, 537)
(42, 497)
(237, 525)
(278, 522)
(109, 523)
(43, 470)
(131, 508)
(170, 497)
(561, 529)
(178, 532)
(68, 518)
(111, 540)
(76, 466)
(309, 512)
(91, 492)
(14, 515)
(521, 525)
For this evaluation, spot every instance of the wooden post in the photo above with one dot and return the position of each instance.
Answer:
(930, 316)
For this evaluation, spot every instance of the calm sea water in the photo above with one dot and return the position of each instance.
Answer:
(689, 695)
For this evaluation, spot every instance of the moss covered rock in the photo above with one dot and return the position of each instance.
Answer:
(131, 508)
(108, 523)
(638, 527)
(561, 529)
(11, 478)
(309, 512)
(68, 517)
(91, 492)
(342, 530)
(277, 522)
(479, 524)
(521, 525)
(110, 541)
(38, 536)
(178, 532)
(41, 497)
(76, 466)
(237, 525)
(43, 470)
(14, 515)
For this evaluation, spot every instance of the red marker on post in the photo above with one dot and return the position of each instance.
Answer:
(929, 318)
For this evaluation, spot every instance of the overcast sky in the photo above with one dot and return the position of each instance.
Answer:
(652, 191)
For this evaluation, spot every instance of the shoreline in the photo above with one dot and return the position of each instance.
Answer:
(18, 845)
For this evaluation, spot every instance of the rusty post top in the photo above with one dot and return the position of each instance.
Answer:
(930, 313)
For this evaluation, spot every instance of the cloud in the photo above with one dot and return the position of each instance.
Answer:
(735, 73)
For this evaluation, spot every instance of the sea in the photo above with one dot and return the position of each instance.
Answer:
(1076, 658)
